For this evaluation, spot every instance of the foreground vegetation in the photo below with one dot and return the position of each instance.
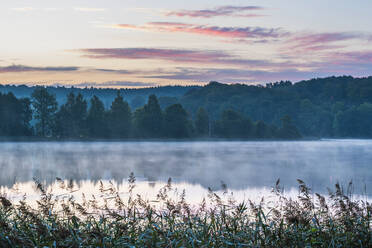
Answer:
(219, 221)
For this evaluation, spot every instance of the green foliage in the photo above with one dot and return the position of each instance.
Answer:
(328, 107)
(149, 119)
(74, 121)
(108, 220)
(288, 130)
(45, 107)
(96, 119)
(26, 116)
(233, 125)
(15, 116)
(312, 105)
(202, 123)
(71, 118)
(120, 118)
(176, 122)
(355, 121)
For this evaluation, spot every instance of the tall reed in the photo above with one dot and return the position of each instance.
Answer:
(108, 220)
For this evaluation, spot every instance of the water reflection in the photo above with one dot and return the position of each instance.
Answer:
(241, 165)
(147, 190)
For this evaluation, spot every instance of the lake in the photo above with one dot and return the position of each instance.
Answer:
(249, 169)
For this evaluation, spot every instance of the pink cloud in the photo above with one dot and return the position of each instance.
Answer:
(355, 56)
(324, 37)
(225, 32)
(219, 11)
(23, 68)
(234, 75)
(152, 53)
(352, 62)
(313, 42)
(181, 56)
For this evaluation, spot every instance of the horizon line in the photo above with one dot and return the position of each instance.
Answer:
(71, 86)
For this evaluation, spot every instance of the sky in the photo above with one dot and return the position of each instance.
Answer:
(142, 43)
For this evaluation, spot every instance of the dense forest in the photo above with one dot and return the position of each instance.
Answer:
(74, 119)
(339, 107)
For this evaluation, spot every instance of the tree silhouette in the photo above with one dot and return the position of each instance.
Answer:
(233, 125)
(45, 107)
(74, 121)
(96, 119)
(120, 123)
(71, 118)
(176, 123)
(149, 119)
(15, 116)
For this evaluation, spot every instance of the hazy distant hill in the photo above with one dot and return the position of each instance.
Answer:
(135, 97)
(333, 106)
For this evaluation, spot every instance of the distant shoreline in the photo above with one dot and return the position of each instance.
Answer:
(38, 139)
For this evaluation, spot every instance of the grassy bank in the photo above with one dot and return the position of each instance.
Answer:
(310, 220)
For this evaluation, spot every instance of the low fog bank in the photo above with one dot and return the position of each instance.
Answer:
(240, 165)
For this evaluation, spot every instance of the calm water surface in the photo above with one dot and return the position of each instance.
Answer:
(247, 168)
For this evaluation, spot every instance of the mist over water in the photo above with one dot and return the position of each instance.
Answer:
(240, 165)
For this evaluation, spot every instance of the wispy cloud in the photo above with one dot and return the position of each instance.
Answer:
(238, 11)
(152, 53)
(292, 41)
(114, 71)
(357, 56)
(348, 62)
(215, 31)
(234, 75)
(238, 69)
(313, 42)
(180, 56)
(23, 68)
(358, 63)
(83, 9)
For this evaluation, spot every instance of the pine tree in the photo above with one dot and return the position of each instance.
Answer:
(71, 118)
(120, 118)
(176, 122)
(149, 119)
(96, 122)
(45, 107)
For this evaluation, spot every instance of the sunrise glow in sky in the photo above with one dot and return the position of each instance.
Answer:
(139, 43)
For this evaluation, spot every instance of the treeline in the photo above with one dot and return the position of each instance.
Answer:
(334, 107)
(337, 107)
(77, 119)
(136, 97)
